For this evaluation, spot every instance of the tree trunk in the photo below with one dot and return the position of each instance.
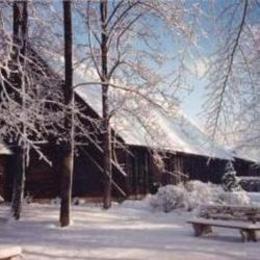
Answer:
(68, 159)
(66, 185)
(19, 182)
(106, 132)
(20, 18)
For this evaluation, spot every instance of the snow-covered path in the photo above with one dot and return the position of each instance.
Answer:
(124, 232)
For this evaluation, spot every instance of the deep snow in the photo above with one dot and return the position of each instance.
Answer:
(127, 231)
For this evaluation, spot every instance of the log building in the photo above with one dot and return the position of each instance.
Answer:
(154, 148)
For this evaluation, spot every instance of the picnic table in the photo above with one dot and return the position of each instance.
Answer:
(244, 218)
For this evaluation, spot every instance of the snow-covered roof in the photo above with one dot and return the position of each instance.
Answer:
(159, 130)
(248, 153)
(146, 124)
(246, 147)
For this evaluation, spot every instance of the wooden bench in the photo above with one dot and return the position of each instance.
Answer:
(230, 212)
(243, 218)
(203, 226)
(10, 252)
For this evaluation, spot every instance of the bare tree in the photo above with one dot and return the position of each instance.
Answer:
(124, 47)
(29, 93)
(105, 111)
(233, 89)
(20, 18)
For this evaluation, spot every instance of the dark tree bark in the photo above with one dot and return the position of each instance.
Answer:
(106, 126)
(68, 147)
(18, 182)
(20, 24)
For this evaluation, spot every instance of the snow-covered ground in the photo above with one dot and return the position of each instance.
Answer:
(127, 231)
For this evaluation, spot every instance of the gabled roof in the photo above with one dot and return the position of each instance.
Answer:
(151, 126)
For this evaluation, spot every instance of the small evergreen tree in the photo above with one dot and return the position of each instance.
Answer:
(229, 180)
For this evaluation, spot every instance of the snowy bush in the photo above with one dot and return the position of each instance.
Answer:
(193, 194)
(196, 185)
(200, 193)
(169, 197)
(234, 198)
